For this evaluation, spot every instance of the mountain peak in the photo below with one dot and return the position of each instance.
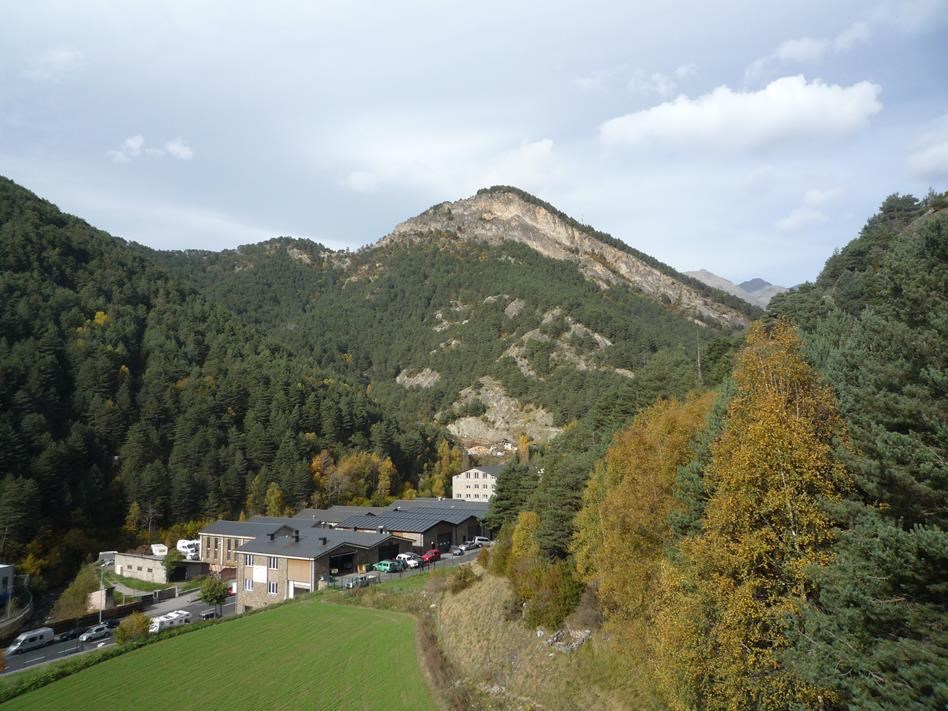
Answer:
(507, 214)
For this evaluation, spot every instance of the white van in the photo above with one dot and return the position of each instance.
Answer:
(31, 640)
(172, 619)
(191, 550)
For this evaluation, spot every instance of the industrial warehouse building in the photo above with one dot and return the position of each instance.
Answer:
(274, 558)
(288, 561)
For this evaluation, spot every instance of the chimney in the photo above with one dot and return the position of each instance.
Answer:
(398, 508)
(271, 535)
(324, 540)
(296, 535)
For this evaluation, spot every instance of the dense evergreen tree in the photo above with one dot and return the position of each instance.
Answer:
(119, 385)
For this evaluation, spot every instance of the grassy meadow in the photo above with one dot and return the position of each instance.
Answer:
(309, 655)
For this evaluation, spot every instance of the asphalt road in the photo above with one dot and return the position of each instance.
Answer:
(60, 650)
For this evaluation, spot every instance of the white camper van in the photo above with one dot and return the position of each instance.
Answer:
(31, 640)
(191, 550)
(160, 550)
(172, 619)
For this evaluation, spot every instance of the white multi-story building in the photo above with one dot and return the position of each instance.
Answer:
(476, 484)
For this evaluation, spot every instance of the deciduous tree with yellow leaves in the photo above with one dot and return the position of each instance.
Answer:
(747, 577)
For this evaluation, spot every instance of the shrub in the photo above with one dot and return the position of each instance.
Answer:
(463, 578)
(556, 594)
(500, 552)
(132, 628)
(483, 558)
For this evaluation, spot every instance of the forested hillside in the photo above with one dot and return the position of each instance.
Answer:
(446, 327)
(778, 541)
(123, 388)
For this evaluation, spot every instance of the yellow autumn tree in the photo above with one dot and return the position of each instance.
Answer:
(766, 524)
(625, 513)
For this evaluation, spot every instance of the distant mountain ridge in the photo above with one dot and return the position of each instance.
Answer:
(507, 214)
(754, 291)
(496, 315)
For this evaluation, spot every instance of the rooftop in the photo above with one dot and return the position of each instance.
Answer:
(408, 521)
(316, 542)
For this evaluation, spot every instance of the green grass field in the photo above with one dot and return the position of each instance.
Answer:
(308, 655)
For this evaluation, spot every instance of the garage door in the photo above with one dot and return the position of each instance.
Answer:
(445, 541)
(388, 552)
(342, 564)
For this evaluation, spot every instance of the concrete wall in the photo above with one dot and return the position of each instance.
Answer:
(140, 567)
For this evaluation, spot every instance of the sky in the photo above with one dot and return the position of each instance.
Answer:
(747, 138)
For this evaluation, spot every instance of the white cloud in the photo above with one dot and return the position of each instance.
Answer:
(810, 50)
(799, 219)
(55, 64)
(134, 147)
(531, 163)
(929, 157)
(854, 35)
(814, 197)
(643, 82)
(787, 110)
(804, 51)
(177, 148)
(686, 70)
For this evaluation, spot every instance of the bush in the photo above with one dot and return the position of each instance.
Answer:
(463, 578)
(555, 596)
(500, 552)
(483, 558)
(132, 628)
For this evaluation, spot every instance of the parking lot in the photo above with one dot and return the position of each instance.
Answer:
(447, 561)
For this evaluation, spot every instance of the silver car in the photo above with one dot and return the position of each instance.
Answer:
(95, 632)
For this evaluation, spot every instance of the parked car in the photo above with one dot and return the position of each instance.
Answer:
(208, 614)
(455, 550)
(31, 640)
(482, 540)
(389, 566)
(95, 632)
(431, 556)
(412, 560)
(356, 581)
(67, 635)
(469, 546)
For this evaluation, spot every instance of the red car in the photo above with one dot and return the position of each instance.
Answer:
(431, 556)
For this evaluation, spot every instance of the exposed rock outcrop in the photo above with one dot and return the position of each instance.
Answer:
(496, 216)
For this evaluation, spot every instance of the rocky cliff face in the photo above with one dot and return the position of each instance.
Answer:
(497, 216)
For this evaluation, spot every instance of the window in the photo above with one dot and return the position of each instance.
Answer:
(272, 588)
(477, 475)
(467, 475)
(148, 570)
(273, 562)
(248, 585)
(248, 559)
(228, 544)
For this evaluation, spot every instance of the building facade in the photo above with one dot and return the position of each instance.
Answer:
(475, 484)
(287, 561)
(149, 568)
